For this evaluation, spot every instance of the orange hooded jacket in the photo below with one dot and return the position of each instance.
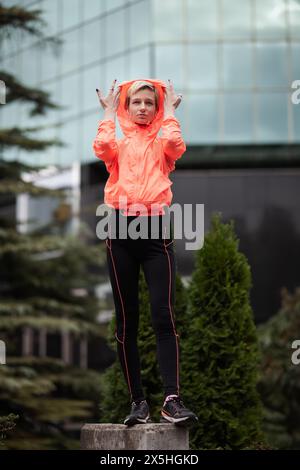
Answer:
(139, 163)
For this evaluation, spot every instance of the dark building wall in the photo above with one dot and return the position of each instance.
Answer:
(263, 202)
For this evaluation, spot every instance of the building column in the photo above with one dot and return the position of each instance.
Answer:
(83, 353)
(66, 343)
(27, 341)
(42, 342)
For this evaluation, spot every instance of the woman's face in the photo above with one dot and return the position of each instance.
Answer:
(142, 107)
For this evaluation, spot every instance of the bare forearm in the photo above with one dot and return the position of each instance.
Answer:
(109, 114)
(169, 111)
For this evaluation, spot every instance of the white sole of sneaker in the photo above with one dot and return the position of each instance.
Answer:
(132, 421)
(186, 421)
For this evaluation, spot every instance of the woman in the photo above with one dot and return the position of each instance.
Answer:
(138, 166)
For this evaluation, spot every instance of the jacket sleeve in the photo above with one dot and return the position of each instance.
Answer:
(172, 141)
(105, 145)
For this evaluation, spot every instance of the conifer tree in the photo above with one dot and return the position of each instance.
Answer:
(42, 274)
(279, 382)
(221, 346)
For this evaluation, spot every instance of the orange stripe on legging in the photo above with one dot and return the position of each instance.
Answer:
(123, 312)
(170, 309)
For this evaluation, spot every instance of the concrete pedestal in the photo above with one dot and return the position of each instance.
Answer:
(154, 436)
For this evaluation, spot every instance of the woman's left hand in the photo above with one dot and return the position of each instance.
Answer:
(172, 100)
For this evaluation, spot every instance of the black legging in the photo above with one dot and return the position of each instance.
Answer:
(124, 257)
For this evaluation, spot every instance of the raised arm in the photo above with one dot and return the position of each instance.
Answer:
(105, 145)
(172, 141)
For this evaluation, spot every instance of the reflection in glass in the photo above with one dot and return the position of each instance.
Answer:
(202, 19)
(272, 117)
(270, 18)
(272, 65)
(236, 18)
(237, 65)
(202, 66)
(202, 124)
(238, 117)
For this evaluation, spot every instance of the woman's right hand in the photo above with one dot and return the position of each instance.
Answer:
(110, 103)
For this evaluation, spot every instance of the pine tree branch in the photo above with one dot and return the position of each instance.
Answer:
(17, 91)
(15, 137)
(15, 17)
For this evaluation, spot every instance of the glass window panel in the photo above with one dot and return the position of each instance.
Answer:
(93, 8)
(69, 91)
(115, 69)
(50, 13)
(90, 126)
(294, 17)
(202, 125)
(115, 39)
(50, 61)
(140, 17)
(70, 135)
(49, 155)
(91, 35)
(238, 117)
(272, 117)
(169, 64)
(54, 95)
(270, 18)
(70, 52)
(296, 122)
(180, 114)
(237, 65)
(10, 64)
(70, 13)
(202, 19)
(139, 64)
(111, 4)
(295, 62)
(202, 66)
(93, 78)
(272, 66)
(9, 114)
(29, 66)
(236, 18)
(167, 20)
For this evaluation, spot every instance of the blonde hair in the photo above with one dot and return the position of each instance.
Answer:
(140, 85)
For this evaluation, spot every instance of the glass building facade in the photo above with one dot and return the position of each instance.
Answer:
(233, 61)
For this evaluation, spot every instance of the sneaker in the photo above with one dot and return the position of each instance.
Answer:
(174, 411)
(139, 414)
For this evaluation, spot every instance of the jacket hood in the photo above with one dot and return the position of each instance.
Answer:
(129, 127)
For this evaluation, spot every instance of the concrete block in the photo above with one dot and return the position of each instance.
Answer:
(152, 436)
